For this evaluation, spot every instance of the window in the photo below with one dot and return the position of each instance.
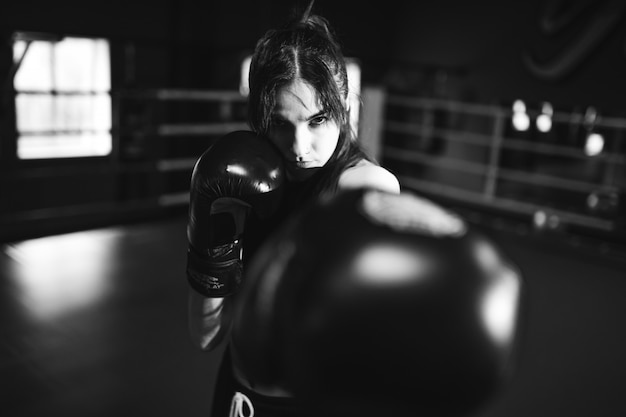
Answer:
(63, 101)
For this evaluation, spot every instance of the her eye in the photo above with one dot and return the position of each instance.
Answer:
(278, 122)
(319, 120)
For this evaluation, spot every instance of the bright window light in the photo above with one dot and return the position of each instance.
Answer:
(544, 120)
(520, 120)
(519, 106)
(244, 86)
(63, 102)
(594, 144)
(354, 92)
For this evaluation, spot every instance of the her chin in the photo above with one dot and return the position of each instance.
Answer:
(301, 174)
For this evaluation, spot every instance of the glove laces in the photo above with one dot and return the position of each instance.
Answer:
(239, 405)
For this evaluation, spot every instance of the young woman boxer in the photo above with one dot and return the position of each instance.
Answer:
(298, 105)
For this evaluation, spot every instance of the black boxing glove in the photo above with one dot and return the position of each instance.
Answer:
(239, 176)
(379, 304)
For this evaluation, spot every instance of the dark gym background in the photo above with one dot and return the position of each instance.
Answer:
(448, 72)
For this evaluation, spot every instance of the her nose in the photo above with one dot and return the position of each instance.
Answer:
(302, 143)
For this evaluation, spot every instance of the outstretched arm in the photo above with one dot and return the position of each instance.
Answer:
(368, 175)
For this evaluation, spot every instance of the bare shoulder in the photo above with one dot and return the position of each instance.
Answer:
(365, 174)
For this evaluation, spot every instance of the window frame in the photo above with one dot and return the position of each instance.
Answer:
(9, 141)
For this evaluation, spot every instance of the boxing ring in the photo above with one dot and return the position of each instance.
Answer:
(571, 360)
(470, 156)
(224, 119)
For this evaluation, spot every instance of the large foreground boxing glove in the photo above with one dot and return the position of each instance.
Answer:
(240, 175)
(378, 304)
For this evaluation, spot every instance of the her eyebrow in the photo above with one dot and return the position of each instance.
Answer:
(278, 117)
(322, 113)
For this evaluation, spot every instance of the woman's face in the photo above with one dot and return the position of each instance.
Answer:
(303, 131)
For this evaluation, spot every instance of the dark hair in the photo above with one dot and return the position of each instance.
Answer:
(304, 49)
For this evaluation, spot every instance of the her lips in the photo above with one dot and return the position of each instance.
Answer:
(303, 164)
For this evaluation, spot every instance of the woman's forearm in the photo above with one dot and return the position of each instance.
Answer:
(209, 319)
